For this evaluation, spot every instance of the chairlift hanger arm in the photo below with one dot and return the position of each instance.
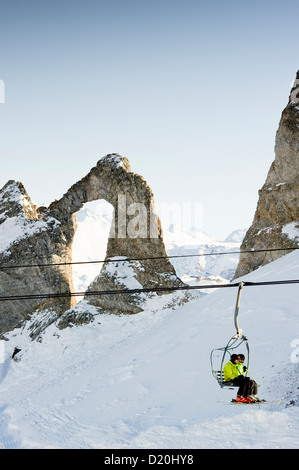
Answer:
(239, 331)
(234, 343)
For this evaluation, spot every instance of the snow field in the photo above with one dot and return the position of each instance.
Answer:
(144, 381)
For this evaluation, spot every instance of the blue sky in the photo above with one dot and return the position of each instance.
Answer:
(191, 92)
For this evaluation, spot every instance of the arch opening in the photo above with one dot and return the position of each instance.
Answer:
(94, 222)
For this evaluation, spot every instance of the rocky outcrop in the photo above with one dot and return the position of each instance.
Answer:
(43, 237)
(276, 221)
(30, 236)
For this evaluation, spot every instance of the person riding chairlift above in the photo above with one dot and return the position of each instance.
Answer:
(252, 392)
(231, 373)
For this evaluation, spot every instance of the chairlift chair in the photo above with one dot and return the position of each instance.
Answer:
(222, 355)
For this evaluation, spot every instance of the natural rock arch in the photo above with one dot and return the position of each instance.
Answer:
(136, 233)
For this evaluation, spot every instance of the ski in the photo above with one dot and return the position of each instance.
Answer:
(234, 402)
(259, 402)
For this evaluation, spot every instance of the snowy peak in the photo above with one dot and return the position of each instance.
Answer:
(236, 236)
(176, 236)
(117, 161)
(200, 258)
(14, 202)
(19, 216)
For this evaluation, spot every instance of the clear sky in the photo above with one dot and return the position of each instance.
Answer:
(190, 91)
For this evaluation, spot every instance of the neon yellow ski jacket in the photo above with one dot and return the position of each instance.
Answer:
(241, 369)
(230, 371)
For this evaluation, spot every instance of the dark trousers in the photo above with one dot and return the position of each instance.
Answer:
(246, 385)
(252, 387)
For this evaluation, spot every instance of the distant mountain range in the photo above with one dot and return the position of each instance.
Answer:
(202, 263)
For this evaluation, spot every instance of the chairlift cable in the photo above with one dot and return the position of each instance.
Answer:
(143, 290)
(150, 258)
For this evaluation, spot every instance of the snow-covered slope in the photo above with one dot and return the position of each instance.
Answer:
(144, 381)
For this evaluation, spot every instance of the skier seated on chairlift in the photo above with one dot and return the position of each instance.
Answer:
(234, 372)
(252, 383)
